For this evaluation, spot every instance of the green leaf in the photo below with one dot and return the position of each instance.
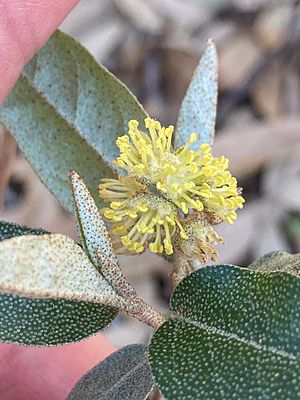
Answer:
(92, 229)
(66, 112)
(9, 230)
(234, 335)
(198, 109)
(51, 266)
(44, 322)
(123, 375)
(278, 261)
(47, 284)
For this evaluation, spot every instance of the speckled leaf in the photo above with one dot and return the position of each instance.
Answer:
(278, 261)
(198, 109)
(51, 266)
(66, 112)
(235, 335)
(92, 229)
(47, 283)
(9, 230)
(123, 375)
(42, 322)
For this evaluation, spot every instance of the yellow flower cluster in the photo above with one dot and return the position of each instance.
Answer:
(138, 216)
(163, 187)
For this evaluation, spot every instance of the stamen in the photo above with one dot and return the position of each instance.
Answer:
(187, 181)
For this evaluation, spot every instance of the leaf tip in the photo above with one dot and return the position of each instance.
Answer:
(211, 48)
(211, 42)
(72, 173)
(74, 178)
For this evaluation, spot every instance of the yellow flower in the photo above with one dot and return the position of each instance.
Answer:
(138, 216)
(151, 205)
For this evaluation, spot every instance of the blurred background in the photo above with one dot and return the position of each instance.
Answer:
(153, 46)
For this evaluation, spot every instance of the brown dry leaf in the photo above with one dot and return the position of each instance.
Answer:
(175, 63)
(141, 15)
(221, 32)
(86, 15)
(37, 207)
(256, 232)
(106, 38)
(251, 148)
(238, 238)
(281, 183)
(267, 93)
(272, 26)
(96, 25)
(290, 90)
(240, 118)
(180, 15)
(237, 59)
(249, 5)
(268, 235)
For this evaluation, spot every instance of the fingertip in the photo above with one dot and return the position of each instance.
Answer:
(25, 26)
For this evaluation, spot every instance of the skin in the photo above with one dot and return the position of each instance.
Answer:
(25, 26)
(47, 373)
(31, 373)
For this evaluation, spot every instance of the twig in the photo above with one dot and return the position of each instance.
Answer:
(130, 302)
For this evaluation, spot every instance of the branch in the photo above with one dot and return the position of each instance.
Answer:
(130, 303)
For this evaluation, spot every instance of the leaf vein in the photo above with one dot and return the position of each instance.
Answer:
(124, 377)
(234, 336)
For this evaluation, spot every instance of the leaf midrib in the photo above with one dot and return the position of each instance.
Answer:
(234, 336)
(58, 113)
(124, 377)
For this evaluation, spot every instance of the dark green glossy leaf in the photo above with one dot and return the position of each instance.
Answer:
(123, 375)
(199, 106)
(40, 322)
(66, 112)
(235, 335)
(9, 230)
